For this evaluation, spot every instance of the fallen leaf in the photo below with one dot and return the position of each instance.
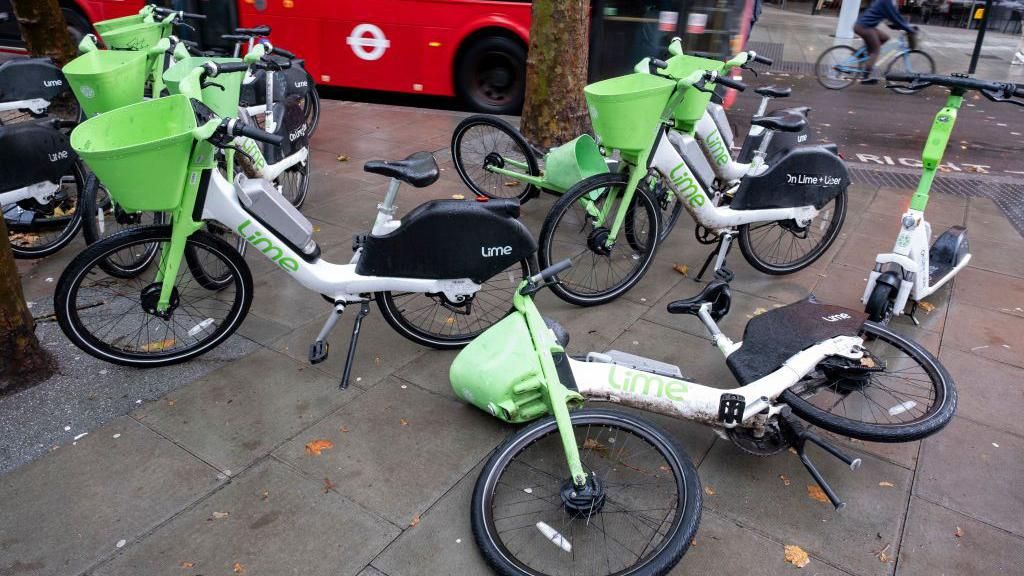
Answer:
(867, 362)
(188, 564)
(882, 555)
(591, 444)
(709, 490)
(344, 428)
(238, 568)
(403, 421)
(759, 311)
(681, 268)
(342, 158)
(816, 493)
(159, 345)
(265, 496)
(315, 447)
(796, 556)
(926, 306)
(171, 402)
(959, 532)
(328, 485)
(693, 541)
(885, 484)
(220, 515)
(316, 228)
(458, 196)
(785, 481)
(415, 520)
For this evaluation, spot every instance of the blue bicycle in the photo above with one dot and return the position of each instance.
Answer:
(841, 65)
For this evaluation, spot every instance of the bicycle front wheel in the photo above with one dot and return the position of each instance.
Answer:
(101, 218)
(578, 228)
(911, 62)
(786, 246)
(294, 184)
(637, 515)
(838, 67)
(901, 393)
(115, 319)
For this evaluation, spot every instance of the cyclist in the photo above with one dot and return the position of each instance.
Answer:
(867, 28)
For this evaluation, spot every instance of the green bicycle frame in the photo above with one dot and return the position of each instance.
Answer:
(934, 148)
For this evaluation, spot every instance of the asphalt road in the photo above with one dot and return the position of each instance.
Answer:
(874, 126)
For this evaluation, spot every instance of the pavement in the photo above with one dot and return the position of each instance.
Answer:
(201, 469)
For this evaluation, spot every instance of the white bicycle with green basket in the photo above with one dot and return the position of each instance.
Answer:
(433, 274)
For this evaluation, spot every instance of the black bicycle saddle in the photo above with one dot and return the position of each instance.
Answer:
(774, 91)
(420, 169)
(716, 293)
(781, 121)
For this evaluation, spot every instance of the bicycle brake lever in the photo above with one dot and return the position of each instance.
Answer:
(186, 25)
(212, 85)
(751, 70)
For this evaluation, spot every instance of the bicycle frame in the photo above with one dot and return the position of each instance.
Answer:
(35, 106)
(912, 249)
(41, 192)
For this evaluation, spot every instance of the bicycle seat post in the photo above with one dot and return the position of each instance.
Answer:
(386, 209)
(764, 105)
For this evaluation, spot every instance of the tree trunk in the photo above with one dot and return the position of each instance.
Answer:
(22, 360)
(555, 110)
(44, 30)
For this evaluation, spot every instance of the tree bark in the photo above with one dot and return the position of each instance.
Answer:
(555, 110)
(23, 361)
(44, 30)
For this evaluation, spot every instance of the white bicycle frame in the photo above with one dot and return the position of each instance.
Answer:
(717, 150)
(340, 283)
(911, 253)
(41, 192)
(35, 105)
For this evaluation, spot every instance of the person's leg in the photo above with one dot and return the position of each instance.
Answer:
(872, 42)
(1018, 58)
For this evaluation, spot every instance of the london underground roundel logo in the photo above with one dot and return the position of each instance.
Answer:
(368, 42)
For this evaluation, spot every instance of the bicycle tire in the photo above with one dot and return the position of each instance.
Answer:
(69, 225)
(687, 485)
(311, 107)
(758, 261)
(564, 287)
(156, 353)
(92, 232)
(826, 63)
(901, 59)
(486, 183)
(934, 419)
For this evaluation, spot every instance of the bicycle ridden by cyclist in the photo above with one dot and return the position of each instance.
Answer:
(867, 28)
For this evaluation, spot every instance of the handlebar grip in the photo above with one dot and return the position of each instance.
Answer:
(763, 59)
(900, 77)
(283, 52)
(213, 69)
(239, 129)
(552, 271)
(167, 11)
(1018, 90)
(730, 83)
(261, 30)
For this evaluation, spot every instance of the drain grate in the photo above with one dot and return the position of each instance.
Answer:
(1007, 195)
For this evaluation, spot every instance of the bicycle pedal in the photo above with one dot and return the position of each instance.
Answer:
(730, 408)
(724, 274)
(318, 351)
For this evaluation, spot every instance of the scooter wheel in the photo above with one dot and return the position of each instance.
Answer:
(880, 303)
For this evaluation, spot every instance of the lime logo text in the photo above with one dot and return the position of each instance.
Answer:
(646, 384)
(265, 245)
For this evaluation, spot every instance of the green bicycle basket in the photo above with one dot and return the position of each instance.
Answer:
(573, 161)
(107, 79)
(626, 110)
(223, 102)
(499, 372)
(105, 26)
(140, 152)
(135, 37)
(694, 101)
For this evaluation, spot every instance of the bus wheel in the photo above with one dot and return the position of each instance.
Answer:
(491, 75)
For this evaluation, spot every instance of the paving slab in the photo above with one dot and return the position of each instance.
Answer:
(725, 546)
(988, 392)
(238, 414)
(590, 328)
(430, 371)
(975, 470)
(941, 541)
(397, 450)
(277, 523)
(752, 491)
(1001, 256)
(994, 335)
(65, 512)
(989, 290)
(988, 221)
(442, 542)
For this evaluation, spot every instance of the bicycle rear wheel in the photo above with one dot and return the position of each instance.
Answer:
(480, 142)
(37, 229)
(638, 515)
(900, 394)
(114, 319)
(102, 218)
(911, 62)
(837, 67)
(785, 247)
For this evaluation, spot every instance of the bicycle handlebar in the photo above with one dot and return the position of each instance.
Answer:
(236, 128)
(728, 82)
(551, 271)
(213, 69)
(282, 52)
(995, 91)
(762, 59)
(168, 12)
(261, 30)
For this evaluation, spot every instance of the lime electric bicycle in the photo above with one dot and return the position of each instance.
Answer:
(440, 275)
(914, 270)
(599, 492)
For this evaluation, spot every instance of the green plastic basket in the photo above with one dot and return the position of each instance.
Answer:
(223, 102)
(500, 373)
(626, 110)
(140, 152)
(105, 26)
(103, 80)
(135, 37)
(573, 161)
(694, 101)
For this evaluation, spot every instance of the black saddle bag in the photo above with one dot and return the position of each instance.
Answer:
(33, 153)
(450, 239)
(809, 175)
(30, 78)
(291, 123)
(292, 81)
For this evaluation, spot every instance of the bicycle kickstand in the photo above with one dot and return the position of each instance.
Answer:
(801, 436)
(718, 255)
(364, 310)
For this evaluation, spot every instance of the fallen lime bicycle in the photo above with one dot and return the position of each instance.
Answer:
(599, 492)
